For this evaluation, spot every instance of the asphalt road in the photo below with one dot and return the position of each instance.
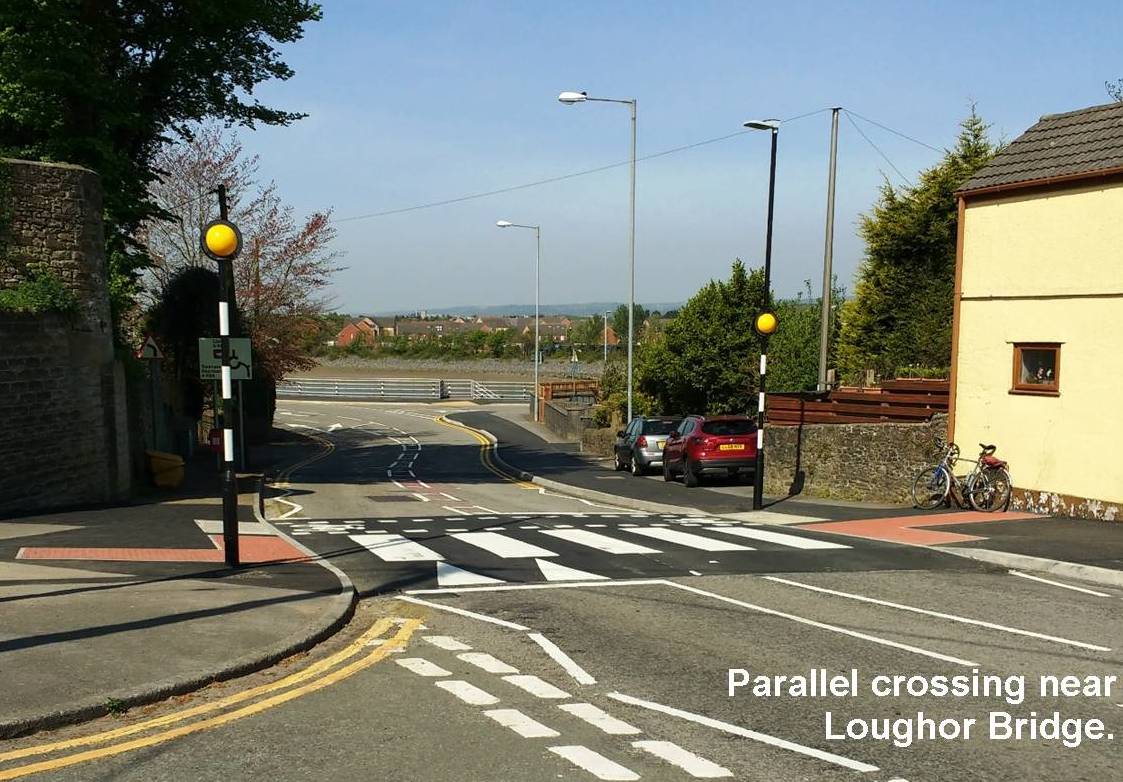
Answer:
(621, 672)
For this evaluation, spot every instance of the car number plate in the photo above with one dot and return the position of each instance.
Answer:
(731, 447)
(661, 443)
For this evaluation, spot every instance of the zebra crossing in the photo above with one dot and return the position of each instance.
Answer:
(492, 549)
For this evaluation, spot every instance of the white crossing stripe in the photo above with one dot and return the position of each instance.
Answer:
(422, 667)
(539, 688)
(502, 546)
(689, 539)
(552, 571)
(598, 541)
(525, 726)
(395, 548)
(782, 538)
(469, 693)
(447, 642)
(595, 763)
(599, 718)
(695, 766)
(487, 662)
(452, 576)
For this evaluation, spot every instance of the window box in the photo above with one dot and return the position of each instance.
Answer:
(1037, 368)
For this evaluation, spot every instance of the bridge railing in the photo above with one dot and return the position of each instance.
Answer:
(403, 389)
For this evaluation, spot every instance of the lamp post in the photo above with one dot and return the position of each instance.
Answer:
(765, 325)
(537, 277)
(828, 256)
(606, 337)
(570, 99)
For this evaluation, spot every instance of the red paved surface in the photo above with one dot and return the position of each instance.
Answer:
(252, 549)
(902, 529)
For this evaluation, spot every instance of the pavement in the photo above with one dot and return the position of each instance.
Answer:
(112, 607)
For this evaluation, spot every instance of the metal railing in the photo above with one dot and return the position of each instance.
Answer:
(403, 389)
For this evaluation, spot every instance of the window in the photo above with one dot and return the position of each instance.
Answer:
(659, 427)
(729, 427)
(1037, 368)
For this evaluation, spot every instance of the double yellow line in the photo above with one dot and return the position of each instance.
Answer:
(314, 677)
(327, 446)
(487, 449)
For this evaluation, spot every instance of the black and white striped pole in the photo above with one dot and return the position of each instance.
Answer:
(765, 321)
(222, 241)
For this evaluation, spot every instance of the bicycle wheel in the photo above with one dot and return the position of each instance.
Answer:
(930, 487)
(989, 490)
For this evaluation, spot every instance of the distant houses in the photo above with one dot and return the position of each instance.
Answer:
(371, 330)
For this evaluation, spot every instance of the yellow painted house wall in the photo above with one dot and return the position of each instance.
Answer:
(1053, 261)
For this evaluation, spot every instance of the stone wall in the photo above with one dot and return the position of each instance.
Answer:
(870, 462)
(64, 434)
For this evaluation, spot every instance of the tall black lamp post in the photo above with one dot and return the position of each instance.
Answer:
(765, 321)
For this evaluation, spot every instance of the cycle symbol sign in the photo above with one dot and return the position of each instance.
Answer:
(210, 358)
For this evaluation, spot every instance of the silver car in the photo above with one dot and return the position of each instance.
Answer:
(639, 448)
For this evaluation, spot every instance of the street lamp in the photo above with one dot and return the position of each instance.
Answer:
(772, 126)
(573, 98)
(537, 276)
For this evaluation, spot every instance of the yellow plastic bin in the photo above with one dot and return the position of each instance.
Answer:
(166, 469)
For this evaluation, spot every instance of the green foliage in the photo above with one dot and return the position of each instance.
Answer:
(706, 361)
(41, 291)
(924, 373)
(620, 323)
(105, 85)
(793, 351)
(902, 305)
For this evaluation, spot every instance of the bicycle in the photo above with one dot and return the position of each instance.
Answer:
(986, 488)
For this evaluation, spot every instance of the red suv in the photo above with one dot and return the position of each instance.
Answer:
(708, 444)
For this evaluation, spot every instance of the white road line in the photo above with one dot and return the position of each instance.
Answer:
(579, 674)
(487, 662)
(561, 585)
(598, 541)
(394, 548)
(539, 688)
(452, 576)
(781, 538)
(552, 571)
(502, 546)
(825, 626)
(469, 693)
(421, 497)
(447, 642)
(940, 615)
(465, 612)
(449, 496)
(525, 726)
(456, 510)
(737, 730)
(415, 531)
(595, 763)
(599, 719)
(422, 667)
(1020, 574)
(688, 539)
(694, 765)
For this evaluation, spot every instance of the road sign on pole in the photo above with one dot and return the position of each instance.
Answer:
(210, 358)
(150, 349)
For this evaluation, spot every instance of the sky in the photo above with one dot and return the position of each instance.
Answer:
(411, 103)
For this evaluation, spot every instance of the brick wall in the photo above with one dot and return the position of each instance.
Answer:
(63, 419)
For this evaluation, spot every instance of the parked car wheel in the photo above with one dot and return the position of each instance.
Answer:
(617, 462)
(668, 476)
(637, 468)
(689, 476)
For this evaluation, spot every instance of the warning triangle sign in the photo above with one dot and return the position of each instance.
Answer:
(149, 349)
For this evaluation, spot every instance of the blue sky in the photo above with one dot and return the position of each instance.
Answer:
(414, 102)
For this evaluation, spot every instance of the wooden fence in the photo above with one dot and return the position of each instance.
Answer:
(905, 401)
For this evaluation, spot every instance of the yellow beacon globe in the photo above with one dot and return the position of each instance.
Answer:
(221, 240)
(766, 323)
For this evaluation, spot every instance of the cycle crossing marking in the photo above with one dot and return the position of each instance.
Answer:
(599, 719)
(453, 576)
(396, 548)
(694, 765)
(552, 571)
